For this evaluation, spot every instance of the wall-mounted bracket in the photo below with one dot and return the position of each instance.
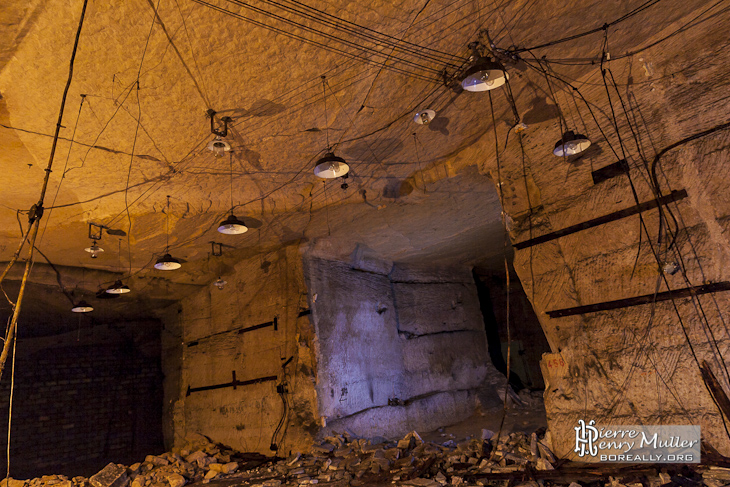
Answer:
(221, 133)
(95, 231)
(216, 249)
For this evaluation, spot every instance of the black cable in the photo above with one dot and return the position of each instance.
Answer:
(692, 23)
(637, 10)
(321, 45)
(342, 25)
(63, 173)
(654, 252)
(395, 40)
(372, 51)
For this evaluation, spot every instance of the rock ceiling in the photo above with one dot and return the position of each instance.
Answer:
(147, 71)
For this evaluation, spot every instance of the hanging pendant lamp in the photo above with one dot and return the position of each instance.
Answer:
(167, 262)
(82, 307)
(571, 144)
(218, 146)
(118, 288)
(484, 74)
(424, 117)
(330, 166)
(94, 249)
(232, 225)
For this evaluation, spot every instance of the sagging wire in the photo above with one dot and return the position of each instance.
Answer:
(595, 30)
(643, 223)
(327, 47)
(63, 173)
(343, 26)
(418, 160)
(283, 390)
(508, 386)
(657, 190)
(37, 211)
(10, 411)
(662, 217)
(654, 252)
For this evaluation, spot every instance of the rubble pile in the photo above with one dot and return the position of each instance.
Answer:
(344, 460)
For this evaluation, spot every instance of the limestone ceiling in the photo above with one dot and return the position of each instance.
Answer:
(146, 81)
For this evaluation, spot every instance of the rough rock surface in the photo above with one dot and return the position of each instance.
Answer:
(344, 460)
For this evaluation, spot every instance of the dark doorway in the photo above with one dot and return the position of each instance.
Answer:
(528, 341)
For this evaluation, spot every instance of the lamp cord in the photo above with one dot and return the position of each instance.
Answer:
(326, 124)
(167, 231)
(230, 154)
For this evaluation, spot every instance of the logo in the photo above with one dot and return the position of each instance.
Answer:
(585, 437)
(637, 444)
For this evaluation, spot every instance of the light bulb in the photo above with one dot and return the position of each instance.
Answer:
(94, 250)
(220, 283)
(218, 146)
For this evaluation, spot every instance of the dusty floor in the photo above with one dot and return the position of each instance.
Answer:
(526, 419)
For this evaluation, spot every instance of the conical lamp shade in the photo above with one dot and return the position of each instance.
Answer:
(484, 75)
(118, 288)
(167, 263)
(571, 144)
(232, 226)
(330, 167)
(82, 307)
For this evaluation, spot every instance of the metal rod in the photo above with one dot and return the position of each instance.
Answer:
(234, 383)
(639, 300)
(274, 323)
(616, 215)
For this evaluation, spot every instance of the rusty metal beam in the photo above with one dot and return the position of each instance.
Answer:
(616, 215)
(639, 300)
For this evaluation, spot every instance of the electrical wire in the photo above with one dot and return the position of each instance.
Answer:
(37, 212)
(389, 40)
(363, 50)
(637, 10)
(63, 173)
(356, 30)
(506, 270)
(10, 408)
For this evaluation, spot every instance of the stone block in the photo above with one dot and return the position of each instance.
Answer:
(176, 480)
(112, 475)
(424, 308)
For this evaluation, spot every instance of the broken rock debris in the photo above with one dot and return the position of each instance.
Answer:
(344, 460)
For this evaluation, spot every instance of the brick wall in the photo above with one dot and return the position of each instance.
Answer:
(78, 406)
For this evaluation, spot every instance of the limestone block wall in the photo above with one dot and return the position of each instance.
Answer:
(203, 345)
(398, 351)
(633, 365)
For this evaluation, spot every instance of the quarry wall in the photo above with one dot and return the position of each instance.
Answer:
(631, 364)
(206, 340)
(398, 351)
